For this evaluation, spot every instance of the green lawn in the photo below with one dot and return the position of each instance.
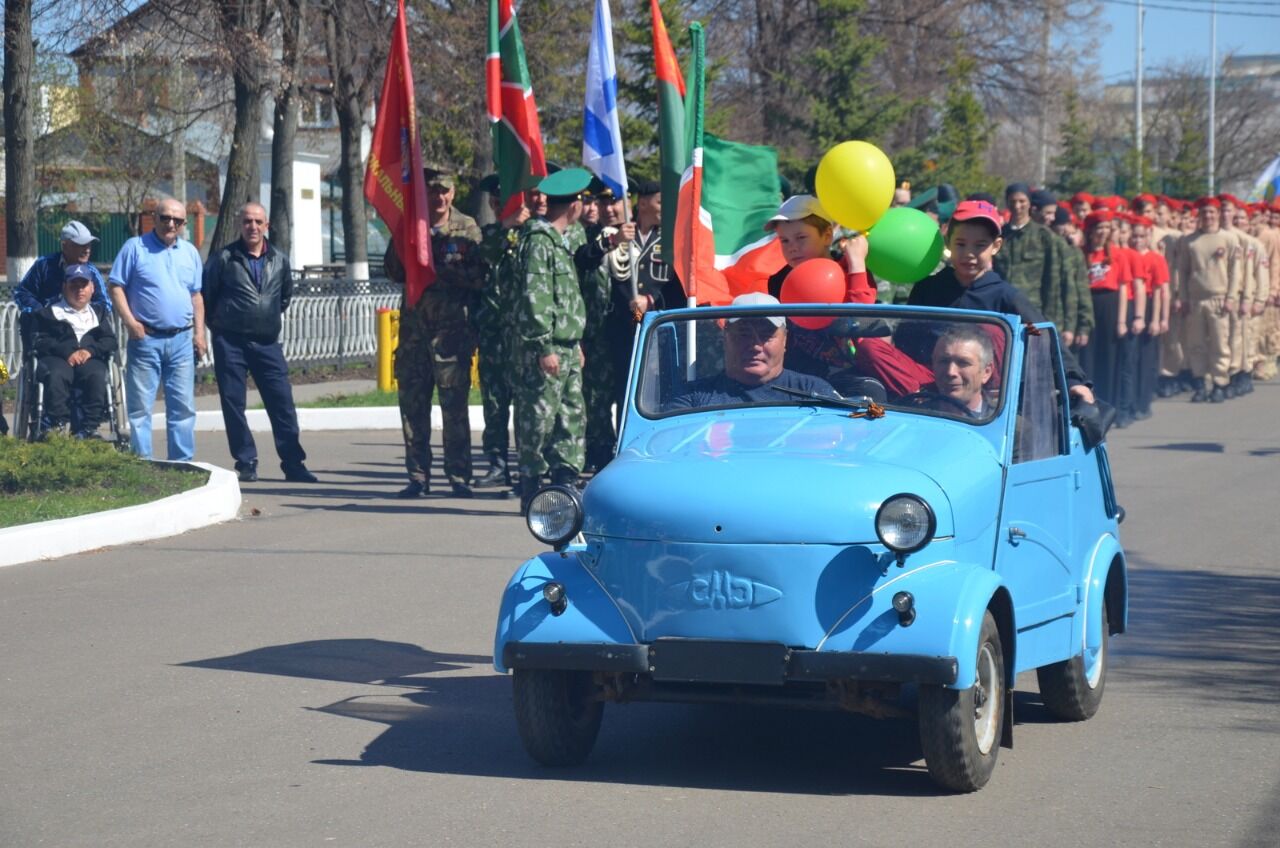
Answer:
(370, 398)
(64, 477)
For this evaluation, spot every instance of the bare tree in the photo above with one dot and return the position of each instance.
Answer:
(19, 142)
(285, 121)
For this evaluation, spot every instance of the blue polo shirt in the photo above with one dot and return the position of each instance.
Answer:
(158, 281)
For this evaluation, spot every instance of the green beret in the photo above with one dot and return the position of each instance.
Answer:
(565, 186)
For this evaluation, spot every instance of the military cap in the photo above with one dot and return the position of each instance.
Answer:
(565, 186)
(599, 190)
(440, 176)
(646, 187)
(1041, 198)
(489, 183)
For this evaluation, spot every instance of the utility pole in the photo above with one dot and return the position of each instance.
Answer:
(1213, 92)
(1043, 129)
(1137, 98)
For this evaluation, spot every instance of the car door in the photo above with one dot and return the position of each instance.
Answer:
(1034, 548)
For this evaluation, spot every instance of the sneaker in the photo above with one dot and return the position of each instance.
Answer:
(249, 474)
(1218, 395)
(299, 474)
(1200, 396)
(415, 489)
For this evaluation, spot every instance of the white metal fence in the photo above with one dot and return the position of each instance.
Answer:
(326, 323)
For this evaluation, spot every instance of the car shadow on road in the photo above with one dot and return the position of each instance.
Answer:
(456, 718)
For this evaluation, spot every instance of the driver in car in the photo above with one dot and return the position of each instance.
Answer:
(963, 362)
(754, 348)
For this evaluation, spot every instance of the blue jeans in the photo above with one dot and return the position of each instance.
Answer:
(153, 359)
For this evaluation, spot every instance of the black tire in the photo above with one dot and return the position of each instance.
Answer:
(960, 729)
(1072, 690)
(557, 713)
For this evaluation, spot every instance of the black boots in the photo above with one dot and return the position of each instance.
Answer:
(499, 474)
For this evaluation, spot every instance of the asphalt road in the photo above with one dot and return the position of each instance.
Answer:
(318, 673)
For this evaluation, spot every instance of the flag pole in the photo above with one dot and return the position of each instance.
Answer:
(698, 47)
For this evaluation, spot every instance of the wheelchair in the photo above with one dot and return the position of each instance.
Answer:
(28, 414)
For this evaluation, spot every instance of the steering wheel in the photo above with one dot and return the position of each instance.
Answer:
(925, 398)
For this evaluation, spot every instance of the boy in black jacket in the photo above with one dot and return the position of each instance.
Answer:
(74, 340)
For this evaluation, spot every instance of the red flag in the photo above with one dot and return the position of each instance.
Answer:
(393, 180)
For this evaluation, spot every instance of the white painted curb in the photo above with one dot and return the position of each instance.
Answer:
(214, 502)
(324, 418)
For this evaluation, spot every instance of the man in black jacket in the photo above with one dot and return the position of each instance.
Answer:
(74, 340)
(247, 287)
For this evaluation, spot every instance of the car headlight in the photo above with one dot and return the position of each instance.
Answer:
(905, 523)
(555, 515)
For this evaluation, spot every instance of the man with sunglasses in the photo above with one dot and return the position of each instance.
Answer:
(155, 287)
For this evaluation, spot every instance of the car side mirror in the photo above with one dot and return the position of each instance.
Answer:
(1093, 419)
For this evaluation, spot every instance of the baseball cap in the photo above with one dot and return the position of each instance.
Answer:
(79, 271)
(757, 299)
(78, 233)
(797, 209)
(977, 210)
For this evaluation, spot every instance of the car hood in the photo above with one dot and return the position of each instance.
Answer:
(814, 477)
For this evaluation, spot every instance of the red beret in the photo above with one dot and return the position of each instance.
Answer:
(1083, 197)
(1208, 201)
(1098, 216)
(1162, 200)
(1230, 198)
(1143, 198)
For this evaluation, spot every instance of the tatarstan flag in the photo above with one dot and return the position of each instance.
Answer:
(672, 153)
(513, 113)
(393, 179)
(727, 194)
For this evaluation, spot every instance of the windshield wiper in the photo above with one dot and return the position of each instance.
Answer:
(859, 403)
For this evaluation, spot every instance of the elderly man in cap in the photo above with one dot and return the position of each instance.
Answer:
(437, 341)
(550, 319)
(74, 340)
(42, 284)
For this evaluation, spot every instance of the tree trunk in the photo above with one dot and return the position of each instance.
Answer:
(240, 18)
(19, 142)
(285, 125)
(348, 103)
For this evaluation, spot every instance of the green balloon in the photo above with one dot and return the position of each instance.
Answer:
(904, 246)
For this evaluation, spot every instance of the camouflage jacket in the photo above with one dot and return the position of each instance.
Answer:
(550, 308)
(1032, 261)
(593, 275)
(460, 272)
(496, 303)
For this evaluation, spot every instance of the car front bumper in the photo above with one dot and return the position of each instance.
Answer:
(733, 662)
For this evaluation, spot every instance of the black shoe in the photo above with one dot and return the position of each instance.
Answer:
(1123, 420)
(497, 475)
(1228, 392)
(89, 435)
(529, 487)
(1142, 415)
(248, 474)
(1218, 395)
(299, 474)
(563, 476)
(415, 489)
(461, 490)
(1246, 384)
(1200, 396)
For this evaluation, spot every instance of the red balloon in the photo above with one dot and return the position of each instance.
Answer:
(814, 281)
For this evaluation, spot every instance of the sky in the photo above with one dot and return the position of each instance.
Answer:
(1184, 35)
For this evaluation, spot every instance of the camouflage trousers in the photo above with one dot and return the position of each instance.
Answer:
(598, 392)
(496, 378)
(428, 359)
(549, 415)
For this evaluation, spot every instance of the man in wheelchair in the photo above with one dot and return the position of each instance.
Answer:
(73, 340)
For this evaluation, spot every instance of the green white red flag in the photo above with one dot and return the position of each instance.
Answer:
(393, 179)
(727, 194)
(673, 156)
(513, 114)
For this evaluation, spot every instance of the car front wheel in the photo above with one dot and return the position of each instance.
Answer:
(1072, 690)
(557, 713)
(960, 728)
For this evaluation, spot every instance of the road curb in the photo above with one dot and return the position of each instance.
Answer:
(216, 501)
(325, 418)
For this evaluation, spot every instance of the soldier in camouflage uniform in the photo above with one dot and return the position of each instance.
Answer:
(436, 342)
(599, 376)
(1034, 261)
(496, 306)
(550, 318)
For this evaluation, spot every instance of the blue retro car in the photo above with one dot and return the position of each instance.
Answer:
(828, 505)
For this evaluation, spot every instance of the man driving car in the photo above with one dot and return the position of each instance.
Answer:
(963, 362)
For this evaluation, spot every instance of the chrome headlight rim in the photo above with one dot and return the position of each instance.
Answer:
(928, 534)
(569, 530)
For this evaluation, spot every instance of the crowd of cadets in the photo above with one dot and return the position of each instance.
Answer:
(1156, 297)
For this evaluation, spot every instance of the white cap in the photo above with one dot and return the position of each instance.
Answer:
(797, 208)
(757, 299)
(78, 233)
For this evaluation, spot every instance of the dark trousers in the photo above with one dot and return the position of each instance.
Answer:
(236, 356)
(1148, 365)
(1098, 357)
(59, 378)
(1126, 401)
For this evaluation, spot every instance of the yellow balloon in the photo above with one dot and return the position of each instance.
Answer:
(855, 184)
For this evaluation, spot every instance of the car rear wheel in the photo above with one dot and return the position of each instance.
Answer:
(1072, 690)
(557, 713)
(960, 728)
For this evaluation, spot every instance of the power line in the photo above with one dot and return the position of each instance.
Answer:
(1198, 10)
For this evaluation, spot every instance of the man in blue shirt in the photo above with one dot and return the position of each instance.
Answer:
(42, 284)
(155, 286)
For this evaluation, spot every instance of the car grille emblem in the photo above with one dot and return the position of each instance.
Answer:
(723, 590)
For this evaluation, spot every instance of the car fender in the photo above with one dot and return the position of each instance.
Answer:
(590, 614)
(1106, 557)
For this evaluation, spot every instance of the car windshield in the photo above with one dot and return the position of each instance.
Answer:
(951, 366)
